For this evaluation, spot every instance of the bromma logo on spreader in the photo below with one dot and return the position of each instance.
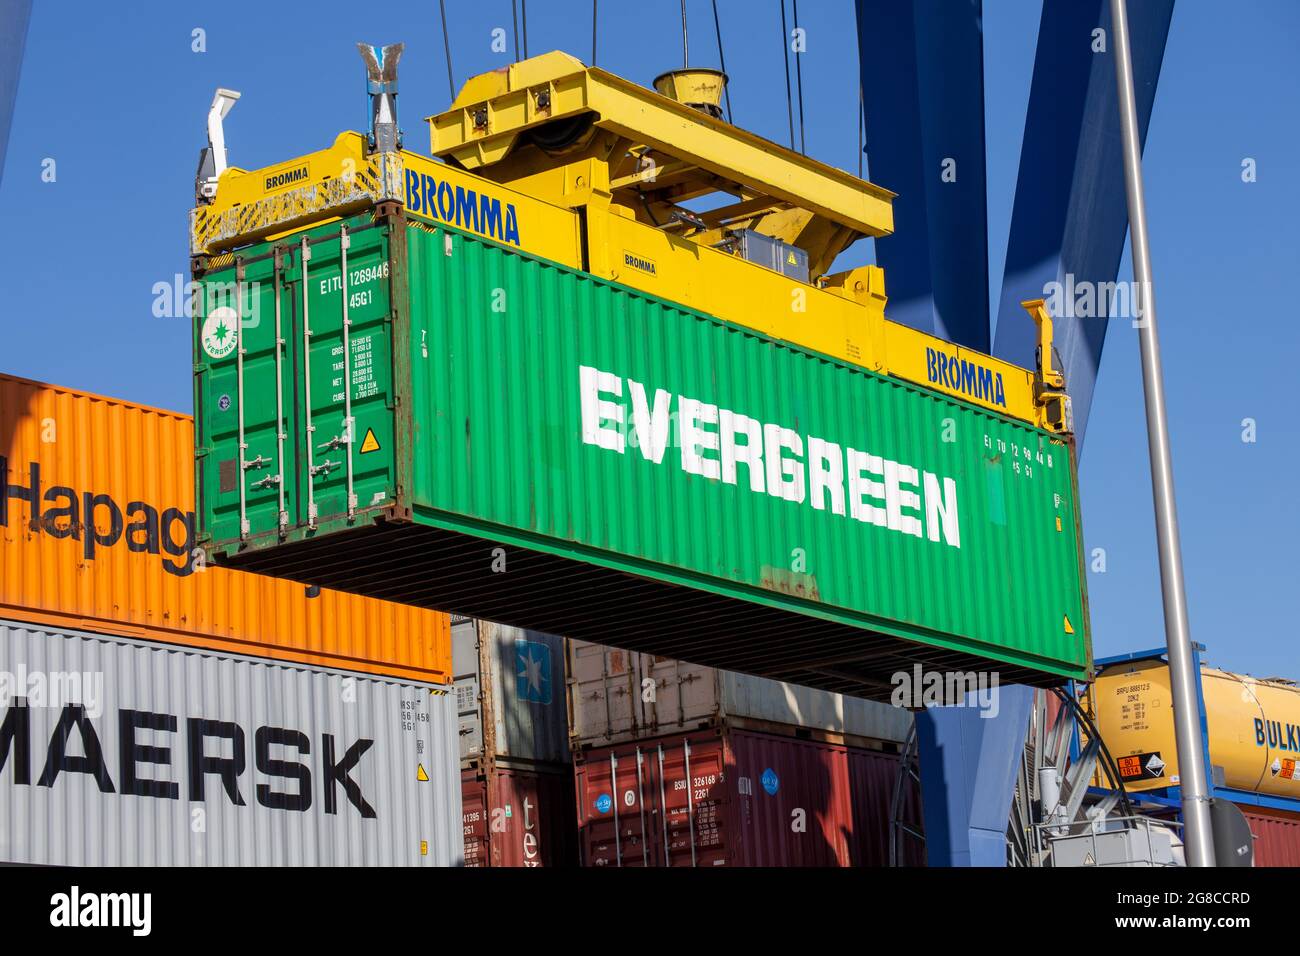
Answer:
(969, 378)
(640, 263)
(286, 177)
(458, 206)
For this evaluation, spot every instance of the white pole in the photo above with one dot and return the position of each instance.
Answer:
(1198, 835)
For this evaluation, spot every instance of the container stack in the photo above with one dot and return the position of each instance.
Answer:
(681, 765)
(155, 710)
(516, 773)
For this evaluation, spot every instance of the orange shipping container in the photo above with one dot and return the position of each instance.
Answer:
(97, 533)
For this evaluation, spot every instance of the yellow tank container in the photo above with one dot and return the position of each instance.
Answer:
(1253, 724)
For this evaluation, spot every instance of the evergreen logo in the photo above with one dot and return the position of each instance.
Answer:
(219, 332)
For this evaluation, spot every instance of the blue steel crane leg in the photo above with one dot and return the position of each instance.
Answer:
(1070, 217)
(922, 74)
(14, 18)
(968, 766)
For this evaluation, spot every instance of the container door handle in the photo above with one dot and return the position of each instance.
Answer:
(305, 257)
(247, 464)
(349, 426)
(640, 800)
(663, 807)
(613, 786)
(690, 798)
(239, 383)
(282, 521)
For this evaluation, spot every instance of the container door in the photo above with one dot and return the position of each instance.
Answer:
(474, 818)
(343, 434)
(693, 793)
(609, 701)
(616, 809)
(245, 407)
(469, 690)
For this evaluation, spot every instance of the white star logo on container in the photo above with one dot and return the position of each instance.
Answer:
(531, 672)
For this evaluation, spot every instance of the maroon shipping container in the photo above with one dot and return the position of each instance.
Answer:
(728, 797)
(1277, 836)
(518, 818)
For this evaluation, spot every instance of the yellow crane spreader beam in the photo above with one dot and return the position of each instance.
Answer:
(493, 109)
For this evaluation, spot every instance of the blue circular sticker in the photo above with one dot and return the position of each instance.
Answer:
(223, 403)
(604, 803)
(771, 783)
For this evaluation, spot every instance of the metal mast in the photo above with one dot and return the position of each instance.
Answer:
(1198, 834)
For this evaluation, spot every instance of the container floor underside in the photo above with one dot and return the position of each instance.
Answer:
(452, 571)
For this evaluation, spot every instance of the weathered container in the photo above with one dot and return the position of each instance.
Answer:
(617, 695)
(519, 817)
(509, 695)
(97, 532)
(736, 798)
(116, 752)
(1277, 836)
(1253, 727)
(529, 444)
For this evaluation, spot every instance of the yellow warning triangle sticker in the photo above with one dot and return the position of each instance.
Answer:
(420, 774)
(789, 257)
(1069, 629)
(370, 442)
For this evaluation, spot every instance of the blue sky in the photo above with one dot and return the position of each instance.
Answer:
(114, 94)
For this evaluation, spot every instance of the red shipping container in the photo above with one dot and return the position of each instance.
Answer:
(1277, 836)
(516, 817)
(728, 797)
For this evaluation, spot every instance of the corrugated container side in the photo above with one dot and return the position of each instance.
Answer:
(1004, 581)
(519, 818)
(735, 798)
(112, 550)
(516, 677)
(873, 780)
(621, 695)
(1277, 836)
(122, 753)
(915, 528)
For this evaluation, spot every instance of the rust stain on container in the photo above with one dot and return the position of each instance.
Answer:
(790, 582)
(97, 532)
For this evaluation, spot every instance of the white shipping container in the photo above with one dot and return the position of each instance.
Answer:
(509, 694)
(118, 752)
(618, 695)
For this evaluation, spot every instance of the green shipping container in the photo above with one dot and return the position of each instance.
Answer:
(538, 447)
